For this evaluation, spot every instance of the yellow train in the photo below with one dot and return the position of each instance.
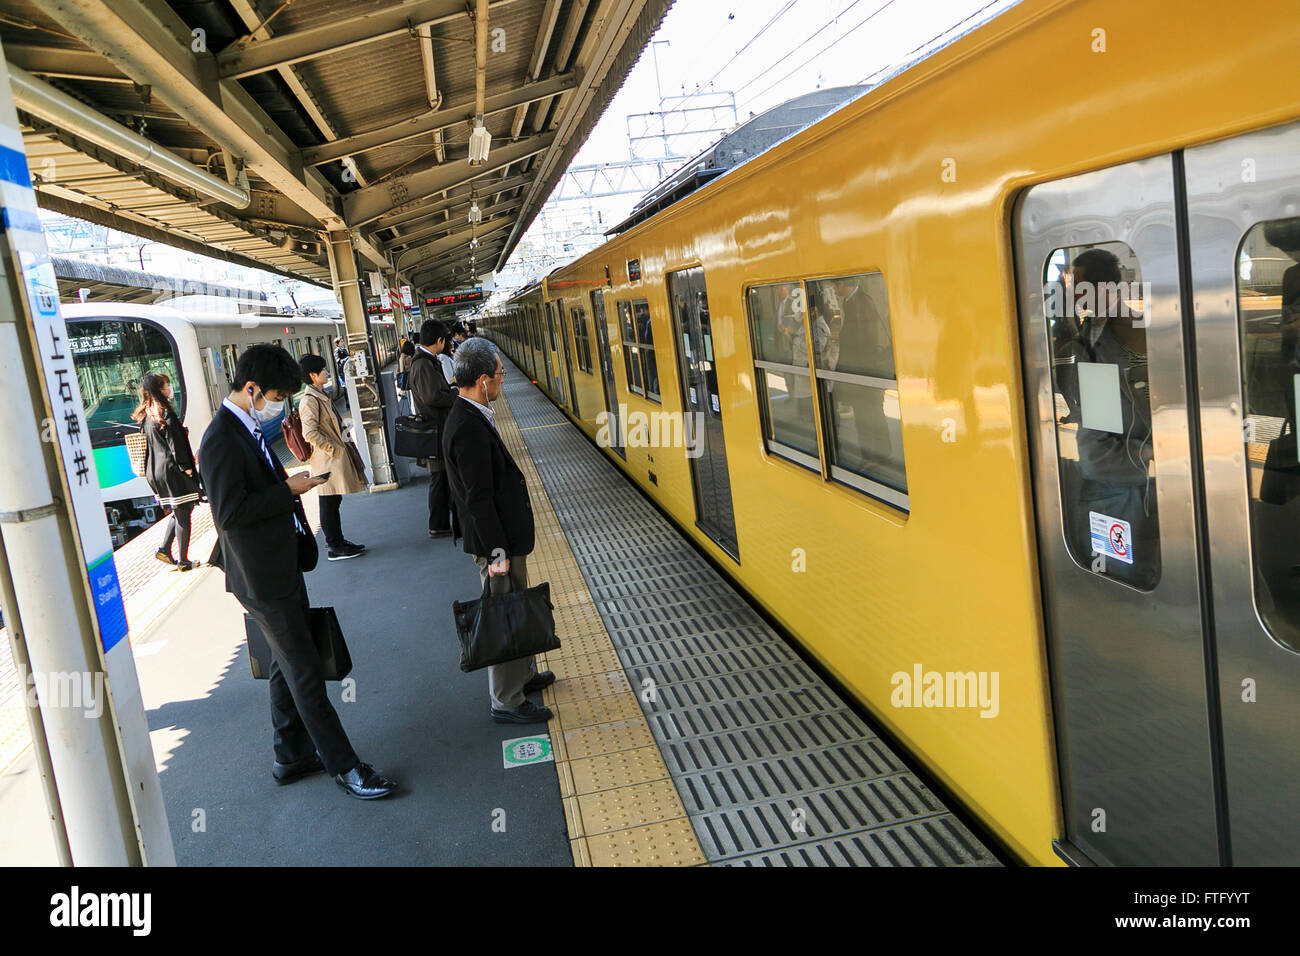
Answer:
(993, 374)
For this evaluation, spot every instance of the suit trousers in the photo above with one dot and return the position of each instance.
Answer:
(506, 681)
(301, 712)
(439, 500)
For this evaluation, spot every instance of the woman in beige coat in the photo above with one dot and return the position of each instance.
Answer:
(323, 430)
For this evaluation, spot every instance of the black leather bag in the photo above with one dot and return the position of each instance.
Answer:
(417, 437)
(1280, 482)
(504, 627)
(325, 634)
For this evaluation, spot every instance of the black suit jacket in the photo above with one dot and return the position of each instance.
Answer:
(253, 511)
(434, 397)
(488, 490)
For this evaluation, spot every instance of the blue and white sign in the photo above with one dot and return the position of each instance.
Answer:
(1111, 537)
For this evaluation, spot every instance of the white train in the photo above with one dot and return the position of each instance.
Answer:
(196, 342)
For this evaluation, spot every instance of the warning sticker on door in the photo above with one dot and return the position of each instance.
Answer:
(1111, 537)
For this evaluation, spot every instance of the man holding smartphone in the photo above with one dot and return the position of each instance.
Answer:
(265, 545)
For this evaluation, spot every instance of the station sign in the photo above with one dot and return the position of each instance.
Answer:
(455, 298)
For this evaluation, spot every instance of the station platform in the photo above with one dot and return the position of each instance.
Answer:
(686, 731)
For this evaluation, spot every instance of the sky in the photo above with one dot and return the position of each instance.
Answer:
(754, 54)
(768, 51)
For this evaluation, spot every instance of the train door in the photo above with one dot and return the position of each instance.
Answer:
(702, 408)
(551, 349)
(607, 373)
(1167, 530)
(215, 373)
(1107, 389)
(539, 349)
(568, 355)
(1245, 262)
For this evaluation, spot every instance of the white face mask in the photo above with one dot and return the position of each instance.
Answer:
(269, 412)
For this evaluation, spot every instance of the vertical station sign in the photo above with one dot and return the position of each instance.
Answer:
(66, 429)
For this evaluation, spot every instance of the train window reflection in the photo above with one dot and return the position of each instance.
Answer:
(639, 348)
(853, 356)
(1095, 309)
(111, 358)
(1268, 316)
(781, 369)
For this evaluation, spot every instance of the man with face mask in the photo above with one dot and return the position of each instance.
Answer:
(492, 510)
(265, 545)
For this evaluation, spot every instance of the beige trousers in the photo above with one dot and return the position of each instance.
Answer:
(506, 681)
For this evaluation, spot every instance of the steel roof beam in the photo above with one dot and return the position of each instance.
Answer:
(444, 227)
(148, 42)
(364, 206)
(451, 241)
(435, 120)
(416, 213)
(247, 57)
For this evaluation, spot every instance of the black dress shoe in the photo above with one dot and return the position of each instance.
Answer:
(440, 534)
(525, 713)
(365, 782)
(289, 772)
(538, 681)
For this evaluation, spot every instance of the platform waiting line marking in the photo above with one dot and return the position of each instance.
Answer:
(621, 806)
(772, 766)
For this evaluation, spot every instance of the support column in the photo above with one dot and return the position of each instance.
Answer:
(63, 602)
(367, 411)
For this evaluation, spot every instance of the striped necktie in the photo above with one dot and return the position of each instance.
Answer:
(266, 451)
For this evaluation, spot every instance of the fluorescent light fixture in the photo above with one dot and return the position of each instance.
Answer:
(479, 141)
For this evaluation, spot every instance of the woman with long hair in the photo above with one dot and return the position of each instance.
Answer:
(168, 465)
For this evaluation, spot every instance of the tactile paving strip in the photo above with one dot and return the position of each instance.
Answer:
(770, 765)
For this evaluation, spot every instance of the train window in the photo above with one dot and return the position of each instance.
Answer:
(631, 354)
(1268, 317)
(645, 343)
(111, 358)
(783, 373)
(1094, 309)
(853, 355)
(582, 339)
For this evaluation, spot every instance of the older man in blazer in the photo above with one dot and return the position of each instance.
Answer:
(493, 513)
(264, 545)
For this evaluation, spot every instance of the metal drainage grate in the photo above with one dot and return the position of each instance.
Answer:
(773, 768)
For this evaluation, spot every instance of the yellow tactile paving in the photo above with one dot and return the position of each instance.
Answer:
(660, 844)
(598, 710)
(607, 771)
(607, 738)
(592, 685)
(624, 807)
(621, 806)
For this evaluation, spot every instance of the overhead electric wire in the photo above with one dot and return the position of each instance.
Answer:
(905, 57)
(881, 9)
(748, 43)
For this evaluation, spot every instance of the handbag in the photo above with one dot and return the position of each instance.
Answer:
(1280, 482)
(336, 662)
(504, 627)
(292, 429)
(354, 455)
(417, 437)
(404, 381)
(136, 447)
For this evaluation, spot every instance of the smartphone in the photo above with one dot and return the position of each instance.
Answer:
(324, 476)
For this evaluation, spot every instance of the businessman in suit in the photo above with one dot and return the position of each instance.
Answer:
(434, 397)
(264, 546)
(493, 513)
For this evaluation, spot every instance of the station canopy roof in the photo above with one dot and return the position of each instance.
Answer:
(247, 129)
